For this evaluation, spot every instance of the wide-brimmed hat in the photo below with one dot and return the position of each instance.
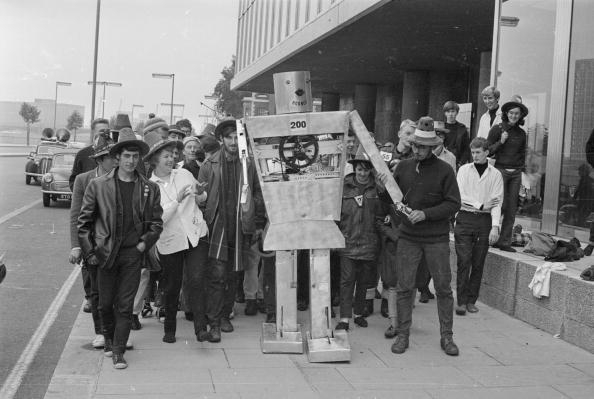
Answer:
(425, 133)
(127, 137)
(154, 123)
(102, 147)
(514, 103)
(155, 142)
(227, 121)
(122, 121)
(174, 129)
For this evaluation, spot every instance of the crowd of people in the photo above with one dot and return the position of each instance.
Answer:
(156, 220)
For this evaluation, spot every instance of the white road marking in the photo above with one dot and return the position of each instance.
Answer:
(19, 211)
(15, 378)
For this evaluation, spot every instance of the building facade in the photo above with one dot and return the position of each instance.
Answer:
(402, 59)
(11, 120)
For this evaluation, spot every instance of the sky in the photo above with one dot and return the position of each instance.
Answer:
(44, 41)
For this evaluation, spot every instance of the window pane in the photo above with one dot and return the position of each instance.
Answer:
(576, 197)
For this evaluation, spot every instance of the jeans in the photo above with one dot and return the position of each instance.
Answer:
(86, 279)
(511, 193)
(194, 263)
(354, 272)
(91, 272)
(472, 245)
(142, 293)
(437, 256)
(117, 288)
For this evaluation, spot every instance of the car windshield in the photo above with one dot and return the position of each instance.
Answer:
(63, 160)
(43, 149)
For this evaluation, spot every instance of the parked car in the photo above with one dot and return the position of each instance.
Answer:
(54, 184)
(40, 160)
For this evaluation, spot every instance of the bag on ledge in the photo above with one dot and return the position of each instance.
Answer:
(540, 244)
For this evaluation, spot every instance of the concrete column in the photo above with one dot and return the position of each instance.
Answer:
(387, 112)
(415, 94)
(346, 102)
(330, 102)
(484, 80)
(365, 97)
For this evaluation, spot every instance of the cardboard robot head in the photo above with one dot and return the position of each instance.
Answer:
(292, 91)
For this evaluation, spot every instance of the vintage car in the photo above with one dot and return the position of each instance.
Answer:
(54, 184)
(40, 160)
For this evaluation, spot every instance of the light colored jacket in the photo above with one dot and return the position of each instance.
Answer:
(182, 221)
(485, 123)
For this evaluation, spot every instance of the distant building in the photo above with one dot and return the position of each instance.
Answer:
(11, 120)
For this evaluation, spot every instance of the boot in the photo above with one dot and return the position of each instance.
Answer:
(251, 308)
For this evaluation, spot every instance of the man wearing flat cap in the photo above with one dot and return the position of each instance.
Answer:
(232, 229)
(431, 192)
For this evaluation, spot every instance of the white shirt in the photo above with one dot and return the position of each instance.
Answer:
(448, 157)
(182, 222)
(476, 190)
(485, 123)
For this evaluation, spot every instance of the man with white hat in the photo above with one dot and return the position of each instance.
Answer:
(431, 192)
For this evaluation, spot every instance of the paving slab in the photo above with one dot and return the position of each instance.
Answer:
(531, 375)
(498, 393)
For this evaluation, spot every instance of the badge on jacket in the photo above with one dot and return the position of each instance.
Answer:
(359, 200)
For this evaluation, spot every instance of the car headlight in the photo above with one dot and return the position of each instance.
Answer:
(48, 178)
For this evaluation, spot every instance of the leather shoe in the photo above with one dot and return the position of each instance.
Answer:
(226, 325)
(343, 325)
(251, 307)
(507, 248)
(135, 325)
(400, 344)
(424, 298)
(214, 335)
(448, 346)
(368, 309)
(360, 321)
(461, 310)
(87, 307)
(588, 250)
(471, 307)
(271, 317)
(390, 332)
(384, 308)
(169, 338)
(108, 348)
(202, 335)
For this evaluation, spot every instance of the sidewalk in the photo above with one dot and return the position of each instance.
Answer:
(501, 357)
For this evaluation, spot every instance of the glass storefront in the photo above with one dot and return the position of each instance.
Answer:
(576, 191)
(525, 68)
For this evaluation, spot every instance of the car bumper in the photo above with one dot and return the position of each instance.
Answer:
(33, 174)
(60, 195)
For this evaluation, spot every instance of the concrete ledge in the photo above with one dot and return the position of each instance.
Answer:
(569, 310)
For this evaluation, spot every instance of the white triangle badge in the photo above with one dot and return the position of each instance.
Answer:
(359, 199)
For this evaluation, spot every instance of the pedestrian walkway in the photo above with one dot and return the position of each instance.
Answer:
(501, 357)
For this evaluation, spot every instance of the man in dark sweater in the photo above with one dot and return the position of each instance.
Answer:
(431, 192)
(457, 139)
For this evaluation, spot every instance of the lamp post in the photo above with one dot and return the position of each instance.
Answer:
(56, 99)
(172, 77)
(105, 84)
(135, 106)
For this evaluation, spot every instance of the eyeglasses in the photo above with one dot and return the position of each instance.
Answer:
(105, 131)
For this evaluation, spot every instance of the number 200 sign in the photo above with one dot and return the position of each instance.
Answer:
(297, 124)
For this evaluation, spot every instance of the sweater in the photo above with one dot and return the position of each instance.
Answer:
(430, 186)
(512, 153)
(458, 142)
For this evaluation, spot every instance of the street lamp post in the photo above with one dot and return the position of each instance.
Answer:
(135, 106)
(56, 99)
(105, 84)
(172, 77)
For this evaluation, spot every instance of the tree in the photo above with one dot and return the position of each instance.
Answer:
(30, 115)
(75, 121)
(229, 101)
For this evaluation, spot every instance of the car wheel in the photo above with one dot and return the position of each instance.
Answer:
(46, 200)
(27, 179)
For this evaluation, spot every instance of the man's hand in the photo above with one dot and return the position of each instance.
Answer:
(141, 246)
(493, 235)
(504, 137)
(92, 260)
(199, 188)
(416, 216)
(75, 255)
(492, 203)
(380, 181)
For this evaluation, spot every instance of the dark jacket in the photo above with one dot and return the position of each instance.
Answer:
(78, 191)
(590, 149)
(247, 223)
(358, 223)
(511, 154)
(429, 186)
(101, 217)
(82, 163)
(458, 142)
